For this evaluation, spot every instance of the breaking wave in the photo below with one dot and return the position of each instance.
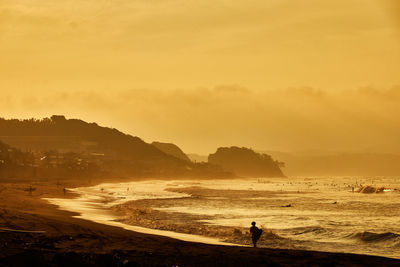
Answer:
(308, 230)
(370, 237)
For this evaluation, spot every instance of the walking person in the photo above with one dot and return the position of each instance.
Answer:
(255, 233)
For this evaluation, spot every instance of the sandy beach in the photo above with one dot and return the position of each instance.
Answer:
(324, 215)
(69, 240)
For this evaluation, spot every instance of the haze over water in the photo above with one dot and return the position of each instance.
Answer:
(324, 215)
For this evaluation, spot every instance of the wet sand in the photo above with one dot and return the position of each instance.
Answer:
(108, 217)
(71, 241)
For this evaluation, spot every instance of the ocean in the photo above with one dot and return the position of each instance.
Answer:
(311, 213)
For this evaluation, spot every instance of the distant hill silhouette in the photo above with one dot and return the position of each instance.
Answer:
(337, 164)
(73, 134)
(68, 144)
(171, 149)
(245, 162)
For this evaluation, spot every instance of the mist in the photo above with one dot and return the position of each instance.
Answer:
(202, 119)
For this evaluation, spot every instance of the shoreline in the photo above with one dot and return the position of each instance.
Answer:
(137, 208)
(107, 218)
(88, 243)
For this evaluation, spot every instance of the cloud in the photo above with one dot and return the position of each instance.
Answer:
(389, 94)
(393, 8)
(118, 62)
(204, 118)
(177, 43)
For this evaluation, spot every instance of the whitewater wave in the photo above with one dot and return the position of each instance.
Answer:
(308, 230)
(371, 237)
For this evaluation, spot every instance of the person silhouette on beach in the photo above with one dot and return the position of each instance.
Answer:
(255, 233)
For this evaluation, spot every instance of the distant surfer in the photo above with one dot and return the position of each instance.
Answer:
(255, 233)
(30, 190)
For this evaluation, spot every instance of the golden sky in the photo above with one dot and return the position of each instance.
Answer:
(276, 74)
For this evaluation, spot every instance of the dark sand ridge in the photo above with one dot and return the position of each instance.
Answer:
(69, 241)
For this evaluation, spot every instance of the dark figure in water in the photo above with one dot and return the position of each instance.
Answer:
(255, 233)
(30, 190)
